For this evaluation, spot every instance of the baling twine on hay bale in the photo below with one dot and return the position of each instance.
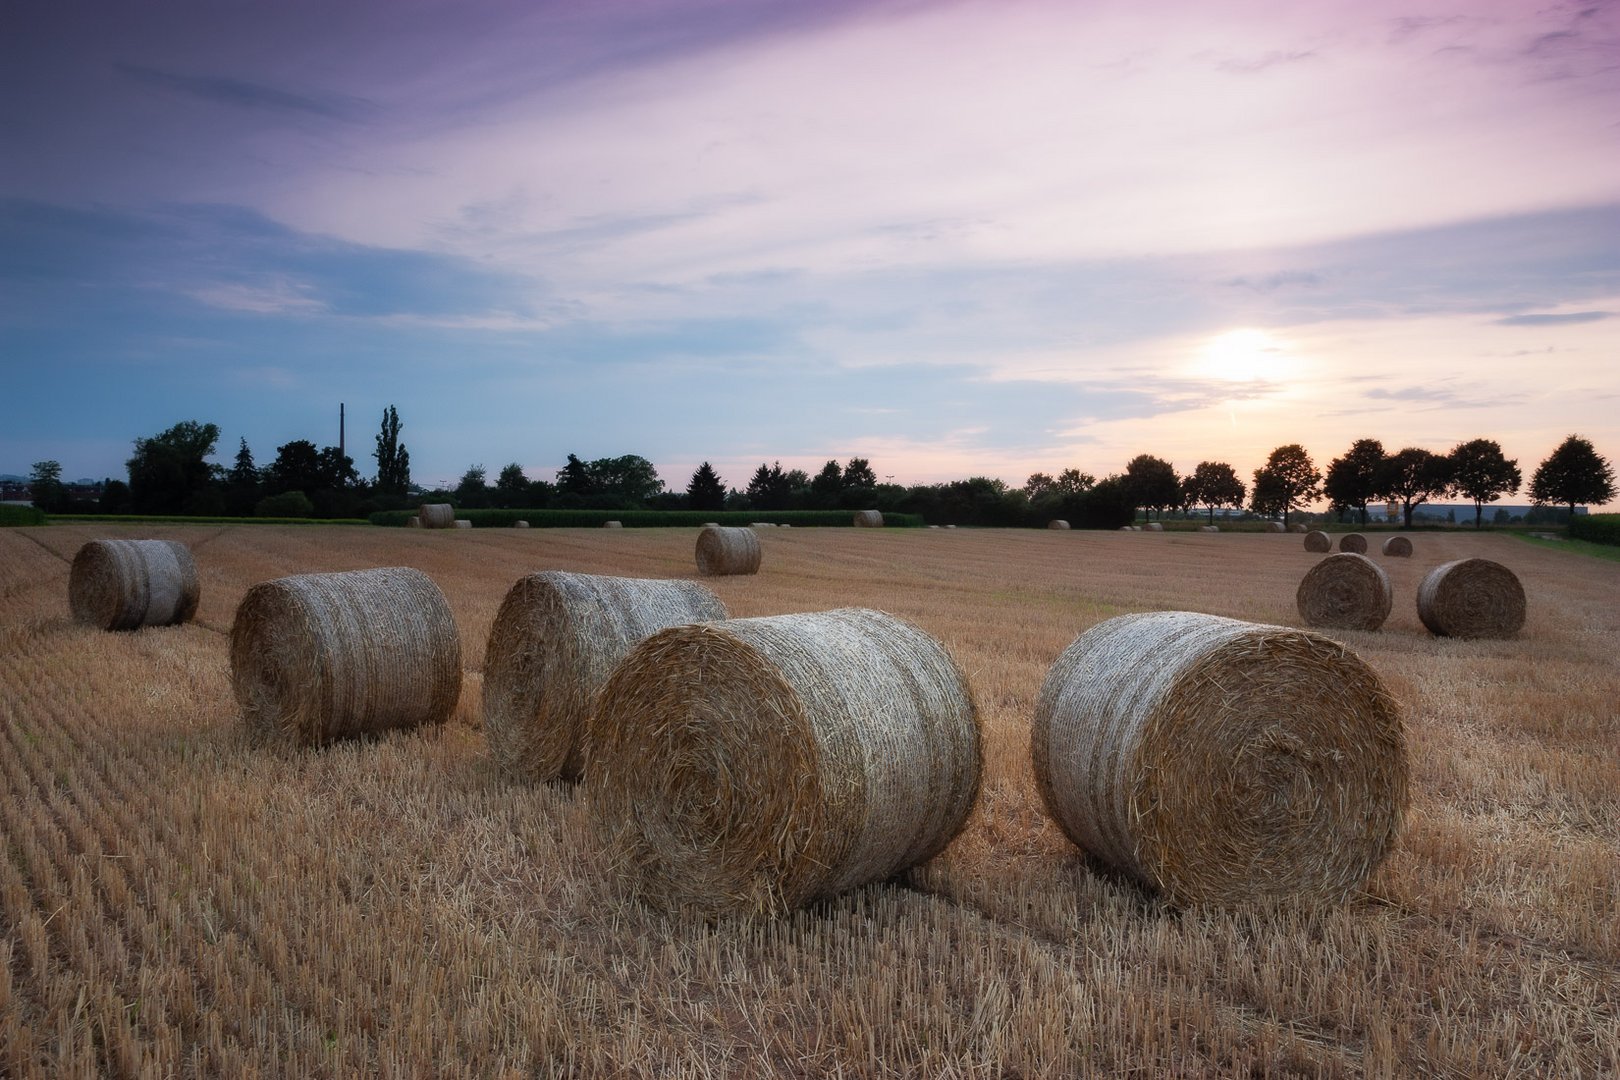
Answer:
(319, 657)
(1318, 541)
(1471, 598)
(1398, 547)
(1057, 523)
(554, 642)
(127, 584)
(755, 765)
(1345, 592)
(722, 551)
(869, 519)
(437, 515)
(1354, 543)
(1222, 761)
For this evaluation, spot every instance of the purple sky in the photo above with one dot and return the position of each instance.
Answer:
(956, 238)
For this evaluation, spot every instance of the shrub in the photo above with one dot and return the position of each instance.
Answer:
(293, 504)
(1597, 528)
(21, 515)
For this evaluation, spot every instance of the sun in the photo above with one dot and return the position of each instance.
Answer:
(1243, 355)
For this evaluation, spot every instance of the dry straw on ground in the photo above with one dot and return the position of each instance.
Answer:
(1318, 541)
(437, 516)
(757, 764)
(318, 657)
(1354, 543)
(869, 519)
(722, 551)
(1275, 527)
(1471, 598)
(554, 642)
(1222, 761)
(1398, 547)
(127, 584)
(1345, 592)
(1057, 523)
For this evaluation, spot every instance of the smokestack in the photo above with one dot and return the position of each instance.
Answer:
(340, 431)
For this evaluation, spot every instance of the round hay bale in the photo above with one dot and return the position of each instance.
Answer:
(757, 764)
(869, 519)
(1346, 592)
(612, 524)
(1209, 528)
(950, 526)
(1275, 527)
(1057, 523)
(520, 524)
(1354, 543)
(1221, 761)
(1299, 527)
(1471, 598)
(1126, 528)
(413, 522)
(127, 584)
(711, 524)
(761, 525)
(1318, 541)
(437, 515)
(1398, 547)
(554, 642)
(723, 551)
(463, 523)
(1153, 526)
(319, 657)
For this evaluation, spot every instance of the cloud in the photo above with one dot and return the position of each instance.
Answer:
(241, 94)
(1555, 319)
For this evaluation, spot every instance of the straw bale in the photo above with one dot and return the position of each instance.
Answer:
(722, 551)
(127, 584)
(1398, 547)
(1471, 598)
(463, 523)
(612, 524)
(520, 524)
(319, 657)
(1153, 526)
(761, 525)
(1209, 528)
(755, 765)
(413, 522)
(1275, 526)
(1057, 523)
(869, 519)
(1354, 543)
(1318, 541)
(437, 515)
(1298, 527)
(554, 642)
(1345, 592)
(1222, 761)
(950, 526)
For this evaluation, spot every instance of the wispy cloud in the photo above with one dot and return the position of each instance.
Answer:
(242, 94)
(1555, 319)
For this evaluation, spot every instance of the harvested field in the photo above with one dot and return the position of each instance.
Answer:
(177, 901)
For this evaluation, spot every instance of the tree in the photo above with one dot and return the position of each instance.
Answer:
(471, 491)
(827, 485)
(858, 474)
(1039, 484)
(1287, 481)
(511, 487)
(1573, 474)
(1413, 476)
(631, 477)
(1480, 472)
(393, 460)
(1073, 482)
(335, 470)
(575, 478)
(1153, 483)
(769, 487)
(114, 497)
(170, 470)
(297, 468)
(242, 486)
(1352, 480)
(45, 486)
(706, 491)
(1212, 484)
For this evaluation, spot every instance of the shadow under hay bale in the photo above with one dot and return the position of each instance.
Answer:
(1471, 598)
(127, 584)
(1222, 761)
(758, 764)
(1318, 541)
(320, 657)
(722, 551)
(1398, 547)
(437, 516)
(554, 642)
(1354, 543)
(869, 519)
(1345, 592)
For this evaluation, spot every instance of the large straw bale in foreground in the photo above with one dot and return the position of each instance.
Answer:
(722, 551)
(1345, 592)
(1398, 547)
(1219, 760)
(437, 515)
(1354, 543)
(758, 764)
(127, 584)
(318, 657)
(554, 642)
(1318, 541)
(1471, 598)
(869, 519)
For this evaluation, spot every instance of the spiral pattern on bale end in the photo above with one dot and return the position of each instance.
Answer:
(127, 584)
(1345, 592)
(869, 519)
(320, 657)
(1318, 541)
(1221, 761)
(722, 551)
(754, 765)
(554, 642)
(1354, 543)
(1398, 547)
(1471, 598)
(437, 515)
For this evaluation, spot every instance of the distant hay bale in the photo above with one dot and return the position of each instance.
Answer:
(722, 551)
(1318, 541)
(1209, 528)
(1275, 527)
(520, 524)
(413, 522)
(319, 657)
(1345, 592)
(950, 526)
(1471, 598)
(755, 765)
(554, 642)
(437, 515)
(1221, 761)
(869, 519)
(1354, 543)
(463, 523)
(1153, 526)
(1298, 527)
(762, 525)
(1057, 523)
(1398, 547)
(711, 524)
(612, 524)
(127, 584)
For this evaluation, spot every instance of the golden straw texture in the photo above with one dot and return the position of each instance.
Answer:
(1398, 547)
(1345, 592)
(1057, 523)
(1318, 541)
(722, 551)
(1471, 598)
(318, 657)
(1354, 543)
(1222, 761)
(869, 519)
(758, 764)
(127, 584)
(554, 642)
(437, 515)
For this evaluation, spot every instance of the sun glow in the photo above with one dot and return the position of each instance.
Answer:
(1244, 355)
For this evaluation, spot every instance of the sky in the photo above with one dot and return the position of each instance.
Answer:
(956, 237)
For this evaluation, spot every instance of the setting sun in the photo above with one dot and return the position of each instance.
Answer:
(1243, 355)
